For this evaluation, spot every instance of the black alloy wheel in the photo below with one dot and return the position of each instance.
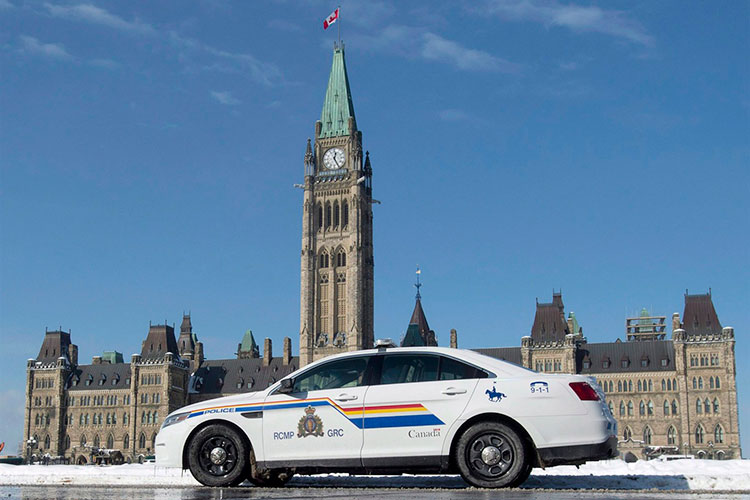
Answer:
(218, 456)
(492, 455)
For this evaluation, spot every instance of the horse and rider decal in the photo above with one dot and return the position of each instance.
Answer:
(494, 395)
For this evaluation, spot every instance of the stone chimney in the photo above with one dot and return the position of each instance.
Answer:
(454, 339)
(267, 352)
(96, 360)
(198, 353)
(73, 354)
(287, 356)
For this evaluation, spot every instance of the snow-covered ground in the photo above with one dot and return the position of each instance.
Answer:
(706, 475)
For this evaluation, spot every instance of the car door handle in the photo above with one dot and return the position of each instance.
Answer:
(345, 397)
(452, 391)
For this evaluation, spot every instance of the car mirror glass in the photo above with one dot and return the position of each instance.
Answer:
(287, 386)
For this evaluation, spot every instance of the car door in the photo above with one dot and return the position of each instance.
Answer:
(319, 422)
(408, 413)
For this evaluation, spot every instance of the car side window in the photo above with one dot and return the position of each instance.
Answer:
(451, 369)
(347, 372)
(407, 368)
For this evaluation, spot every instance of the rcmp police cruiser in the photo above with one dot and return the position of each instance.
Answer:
(394, 410)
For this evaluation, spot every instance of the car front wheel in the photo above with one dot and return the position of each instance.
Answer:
(491, 455)
(218, 456)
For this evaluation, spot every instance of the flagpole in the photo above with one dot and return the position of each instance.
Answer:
(339, 23)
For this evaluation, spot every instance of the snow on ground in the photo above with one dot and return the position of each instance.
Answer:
(705, 475)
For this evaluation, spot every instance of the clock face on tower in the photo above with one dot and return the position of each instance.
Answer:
(334, 159)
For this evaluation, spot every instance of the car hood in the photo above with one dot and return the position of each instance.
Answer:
(235, 399)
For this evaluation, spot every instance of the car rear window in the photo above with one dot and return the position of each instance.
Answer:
(451, 369)
(407, 368)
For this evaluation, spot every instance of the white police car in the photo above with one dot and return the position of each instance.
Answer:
(396, 410)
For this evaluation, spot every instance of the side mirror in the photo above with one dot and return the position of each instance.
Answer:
(287, 385)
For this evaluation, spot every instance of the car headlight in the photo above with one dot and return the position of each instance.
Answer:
(175, 419)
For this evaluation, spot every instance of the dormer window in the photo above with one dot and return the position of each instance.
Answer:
(624, 362)
(664, 362)
(606, 363)
(644, 362)
(89, 379)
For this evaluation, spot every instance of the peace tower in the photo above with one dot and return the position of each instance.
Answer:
(336, 290)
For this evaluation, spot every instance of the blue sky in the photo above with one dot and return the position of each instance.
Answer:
(148, 153)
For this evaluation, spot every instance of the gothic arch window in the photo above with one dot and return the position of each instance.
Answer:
(699, 432)
(647, 435)
(663, 385)
(336, 214)
(611, 408)
(706, 406)
(700, 382)
(695, 383)
(627, 434)
(640, 387)
(630, 408)
(319, 217)
(611, 386)
(67, 442)
(323, 259)
(114, 418)
(83, 440)
(96, 441)
(619, 386)
(153, 441)
(698, 406)
(718, 434)
(671, 435)
(650, 386)
(345, 214)
(642, 409)
(142, 441)
(341, 258)
(630, 386)
(46, 442)
(716, 405)
(328, 215)
(718, 383)
(674, 407)
(126, 441)
(674, 384)
(669, 385)
(710, 382)
(666, 408)
(622, 408)
(650, 407)
(110, 442)
(125, 418)
(36, 420)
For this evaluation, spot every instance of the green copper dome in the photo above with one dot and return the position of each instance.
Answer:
(337, 107)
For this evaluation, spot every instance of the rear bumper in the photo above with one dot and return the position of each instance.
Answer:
(574, 455)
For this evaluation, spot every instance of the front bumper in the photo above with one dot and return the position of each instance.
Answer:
(169, 443)
(578, 454)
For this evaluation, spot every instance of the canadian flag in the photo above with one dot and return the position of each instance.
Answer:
(331, 19)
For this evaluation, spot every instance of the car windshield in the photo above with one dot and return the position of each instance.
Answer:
(336, 374)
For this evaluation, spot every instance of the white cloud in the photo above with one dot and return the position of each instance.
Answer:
(31, 45)
(409, 41)
(574, 17)
(437, 48)
(96, 15)
(225, 97)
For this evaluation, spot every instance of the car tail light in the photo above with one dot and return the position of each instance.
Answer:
(584, 391)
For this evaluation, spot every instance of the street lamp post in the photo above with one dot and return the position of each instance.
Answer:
(30, 445)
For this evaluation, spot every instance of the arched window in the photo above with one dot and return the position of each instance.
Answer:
(622, 408)
(324, 260)
(148, 417)
(706, 406)
(663, 385)
(328, 215)
(611, 408)
(341, 258)
(640, 387)
(630, 386)
(700, 382)
(36, 419)
(674, 407)
(46, 442)
(630, 408)
(650, 386)
(336, 214)
(67, 442)
(716, 405)
(710, 382)
(86, 420)
(698, 406)
(627, 433)
(650, 407)
(718, 434)
(619, 386)
(695, 383)
(109, 419)
(153, 441)
(110, 442)
(671, 435)
(114, 418)
(647, 435)
(83, 440)
(319, 216)
(345, 214)
(642, 408)
(126, 441)
(666, 408)
(611, 386)
(718, 383)
(143, 417)
(97, 442)
(142, 441)
(669, 385)
(699, 434)
(674, 384)
(125, 418)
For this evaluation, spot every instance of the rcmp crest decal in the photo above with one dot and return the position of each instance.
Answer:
(310, 424)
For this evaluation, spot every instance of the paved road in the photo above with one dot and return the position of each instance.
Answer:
(70, 492)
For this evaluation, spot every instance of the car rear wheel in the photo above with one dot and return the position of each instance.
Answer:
(218, 456)
(491, 455)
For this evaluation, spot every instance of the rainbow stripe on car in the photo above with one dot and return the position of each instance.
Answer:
(367, 417)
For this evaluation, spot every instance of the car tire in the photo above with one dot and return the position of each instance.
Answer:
(273, 478)
(218, 456)
(491, 455)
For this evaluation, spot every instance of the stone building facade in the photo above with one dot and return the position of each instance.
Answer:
(110, 410)
(675, 395)
(337, 266)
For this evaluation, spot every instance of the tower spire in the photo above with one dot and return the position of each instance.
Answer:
(418, 285)
(337, 116)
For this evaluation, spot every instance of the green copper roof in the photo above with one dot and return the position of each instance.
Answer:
(412, 337)
(112, 356)
(248, 342)
(337, 107)
(573, 322)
